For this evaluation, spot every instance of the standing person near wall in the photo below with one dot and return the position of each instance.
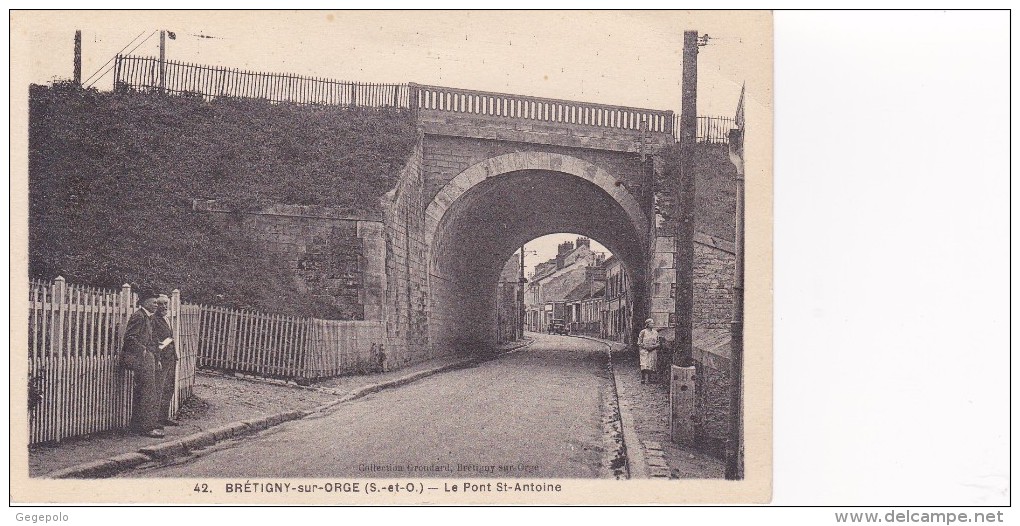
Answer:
(140, 354)
(648, 350)
(166, 380)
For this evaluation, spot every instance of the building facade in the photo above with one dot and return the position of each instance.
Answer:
(584, 303)
(509, 302)
(546, 294)
(618, 304)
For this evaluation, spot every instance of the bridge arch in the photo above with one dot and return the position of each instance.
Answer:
(517, 161)
(485, 213)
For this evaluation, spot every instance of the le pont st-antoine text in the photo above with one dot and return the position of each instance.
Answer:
(409, 487)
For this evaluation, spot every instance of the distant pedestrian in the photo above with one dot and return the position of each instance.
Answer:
(648, 350)
(140, 354)
(166, 380)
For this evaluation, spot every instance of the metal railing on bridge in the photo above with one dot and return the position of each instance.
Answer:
(714, 130)
(210, 82)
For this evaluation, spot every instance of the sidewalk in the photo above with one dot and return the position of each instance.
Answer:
(645, 408)
(220, 405)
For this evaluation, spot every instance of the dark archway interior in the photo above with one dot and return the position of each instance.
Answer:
(490, 221)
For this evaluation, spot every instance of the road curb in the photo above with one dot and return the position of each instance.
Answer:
(637, 464)
(179, 447)
(656, 461)
(618, 460)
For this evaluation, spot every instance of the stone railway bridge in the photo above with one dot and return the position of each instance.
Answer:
(490, 172)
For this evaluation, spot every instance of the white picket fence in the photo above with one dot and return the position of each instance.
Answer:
(75, 382)
(77, 385)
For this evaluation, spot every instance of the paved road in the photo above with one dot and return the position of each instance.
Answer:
(538, 412)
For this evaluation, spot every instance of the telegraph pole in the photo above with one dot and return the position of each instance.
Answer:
(682, 372)
(520, 298)
(77, 58)
(684, 199)
(162, 61)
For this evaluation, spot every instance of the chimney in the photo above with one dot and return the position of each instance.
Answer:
(583, 241)
(564, 248)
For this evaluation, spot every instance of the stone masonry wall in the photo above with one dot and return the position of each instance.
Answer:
(713, 303)
(713, 312)
(712, 392)
(713, 400)
(406, 301)
(368, 268)
(446, 157)
(333, 259)
(713, 282)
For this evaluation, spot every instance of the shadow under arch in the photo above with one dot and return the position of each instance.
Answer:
(475, 223)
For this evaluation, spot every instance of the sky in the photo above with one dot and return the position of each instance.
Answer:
(608, 57)
(620, 58)
(543, 248)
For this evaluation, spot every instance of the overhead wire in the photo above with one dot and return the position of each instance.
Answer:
(114, 56)
(142, 42)
(118, 53)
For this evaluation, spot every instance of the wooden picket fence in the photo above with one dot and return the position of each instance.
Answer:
(279, 346)
(186, 331)
(76, 384)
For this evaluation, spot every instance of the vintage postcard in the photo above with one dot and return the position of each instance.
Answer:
(402, 257)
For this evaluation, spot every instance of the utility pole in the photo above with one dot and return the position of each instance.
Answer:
(77, 58)
(162, 61)
(735, 445)
(682, 380)
(520, 298)
(684, 199)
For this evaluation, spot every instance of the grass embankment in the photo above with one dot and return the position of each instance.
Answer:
(112, 177)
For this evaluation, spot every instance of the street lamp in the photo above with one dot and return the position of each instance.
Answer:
(520, 294)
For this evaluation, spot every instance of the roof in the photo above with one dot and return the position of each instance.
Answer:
(578, 293)
(584, 291)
